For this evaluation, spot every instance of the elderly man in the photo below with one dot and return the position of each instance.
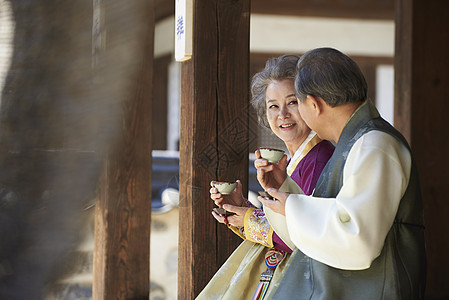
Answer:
(360, 235)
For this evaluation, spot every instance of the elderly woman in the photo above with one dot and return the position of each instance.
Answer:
(256, 266)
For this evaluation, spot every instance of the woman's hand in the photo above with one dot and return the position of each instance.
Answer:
(270, 175)
(234, 198)
(278, 203)
(237, 220)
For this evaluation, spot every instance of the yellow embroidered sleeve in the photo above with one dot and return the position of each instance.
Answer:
(238, 231)
(257, 227)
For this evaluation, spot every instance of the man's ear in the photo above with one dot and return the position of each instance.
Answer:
(316, 104)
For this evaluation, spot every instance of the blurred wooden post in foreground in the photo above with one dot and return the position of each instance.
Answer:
(214, 135)
(123, 211)
(421, 104)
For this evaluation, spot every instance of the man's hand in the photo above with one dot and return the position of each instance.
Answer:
(278, 203)
(270, 175)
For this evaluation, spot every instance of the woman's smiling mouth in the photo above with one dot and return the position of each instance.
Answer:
(286, 125)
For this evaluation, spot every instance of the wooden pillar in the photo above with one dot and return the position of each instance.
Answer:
(214, 135)
(160, 102)
(123, 210)
(421, 107)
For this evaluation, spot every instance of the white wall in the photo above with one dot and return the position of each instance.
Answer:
(385, 91)
(299, 34)
(173, 105)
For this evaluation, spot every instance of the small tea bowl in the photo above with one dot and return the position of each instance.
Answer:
(225, 187)
(271, 154)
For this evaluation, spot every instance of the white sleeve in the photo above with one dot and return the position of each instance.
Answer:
(348, 232)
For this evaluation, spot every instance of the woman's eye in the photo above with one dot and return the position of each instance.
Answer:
(293, 102)
(273, 106)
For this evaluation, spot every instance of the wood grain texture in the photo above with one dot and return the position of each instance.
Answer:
(123, 212)
(421, 106)
(214, 135)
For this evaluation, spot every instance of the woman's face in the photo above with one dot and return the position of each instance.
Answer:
(283, 115)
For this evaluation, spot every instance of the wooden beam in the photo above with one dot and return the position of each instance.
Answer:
(163, 9)
(214, 135)
(421, 106)
(123, 210)
(360, 9)
(403, 68)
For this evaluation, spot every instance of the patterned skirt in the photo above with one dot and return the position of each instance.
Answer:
(239, 276)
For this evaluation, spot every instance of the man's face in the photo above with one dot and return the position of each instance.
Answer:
(306, 112)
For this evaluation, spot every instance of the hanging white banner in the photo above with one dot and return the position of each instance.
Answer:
(183, 29)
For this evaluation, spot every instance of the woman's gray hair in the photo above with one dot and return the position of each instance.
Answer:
(276, 68)
(331, 75)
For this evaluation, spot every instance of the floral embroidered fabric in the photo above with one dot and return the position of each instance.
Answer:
(240, 231)
(257, 227)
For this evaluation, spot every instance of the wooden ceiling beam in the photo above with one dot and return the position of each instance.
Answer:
(163, 9)
(353, 9)
(360, 9)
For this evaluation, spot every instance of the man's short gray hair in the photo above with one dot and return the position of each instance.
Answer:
(331, 75)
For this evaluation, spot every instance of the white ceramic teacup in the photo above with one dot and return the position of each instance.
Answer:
(271, 154)
(225, 187)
